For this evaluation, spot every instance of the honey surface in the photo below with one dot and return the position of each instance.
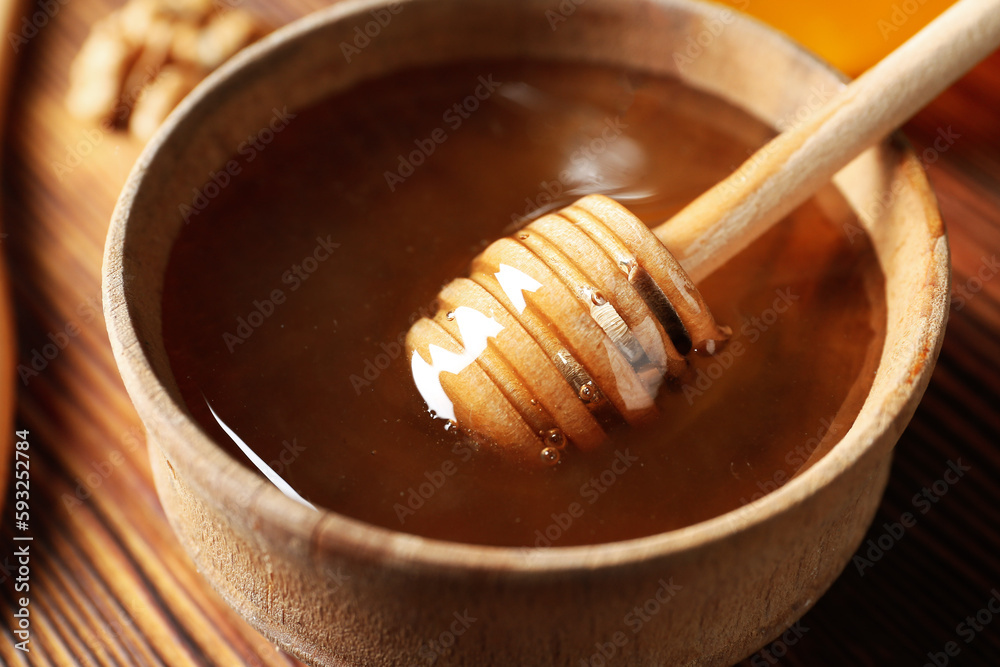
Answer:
(291, 288)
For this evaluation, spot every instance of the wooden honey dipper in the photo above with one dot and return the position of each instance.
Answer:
(574, 322)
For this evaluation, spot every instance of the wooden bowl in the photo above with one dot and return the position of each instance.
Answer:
(335, 591)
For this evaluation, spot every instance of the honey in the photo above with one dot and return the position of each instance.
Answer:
(287, 298)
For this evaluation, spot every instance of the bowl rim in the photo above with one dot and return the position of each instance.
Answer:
(208, 466)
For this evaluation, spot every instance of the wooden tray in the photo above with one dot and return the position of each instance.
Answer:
(111, 586)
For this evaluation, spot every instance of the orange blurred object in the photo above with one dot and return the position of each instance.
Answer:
(851, 35)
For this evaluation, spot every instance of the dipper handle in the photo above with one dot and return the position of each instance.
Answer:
(795, 164)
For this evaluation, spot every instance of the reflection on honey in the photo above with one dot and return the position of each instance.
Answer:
(852, 35)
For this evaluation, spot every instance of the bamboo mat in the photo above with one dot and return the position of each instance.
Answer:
(111, 586)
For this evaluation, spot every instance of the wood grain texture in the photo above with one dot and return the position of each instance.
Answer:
(110, 584)
(10, 11)
(113, 586)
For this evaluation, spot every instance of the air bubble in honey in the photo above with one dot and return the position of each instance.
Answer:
(556, 438)
(551, 456)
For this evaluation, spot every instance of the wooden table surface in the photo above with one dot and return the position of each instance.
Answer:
(111, 586)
